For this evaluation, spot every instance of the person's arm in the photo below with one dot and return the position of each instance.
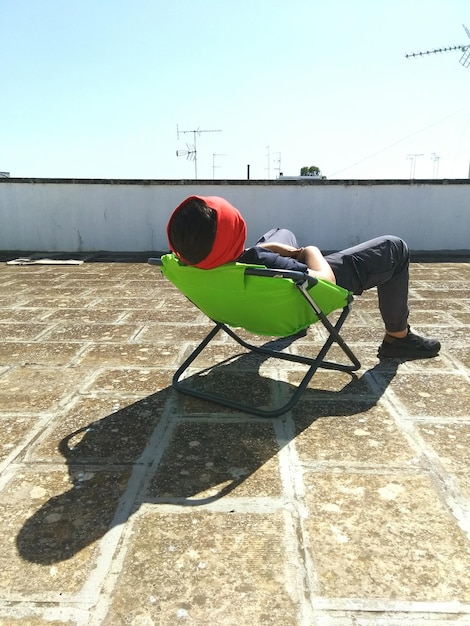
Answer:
(311, 256)
(281, 248)
(316, 263)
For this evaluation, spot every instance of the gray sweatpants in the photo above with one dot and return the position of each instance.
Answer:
(382, 262)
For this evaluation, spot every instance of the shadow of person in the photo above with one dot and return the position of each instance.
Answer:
(102, 458)
(134, 455)
(215, 457)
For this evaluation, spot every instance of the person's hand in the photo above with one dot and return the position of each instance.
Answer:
(296, 253)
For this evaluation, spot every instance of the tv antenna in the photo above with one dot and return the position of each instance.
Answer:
(435, 158)
(191, 152)
(278, 162)
(268, 154)
(214, 166)
(464, 59)
(412, 158)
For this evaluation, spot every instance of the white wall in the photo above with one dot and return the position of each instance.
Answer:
(74, 216)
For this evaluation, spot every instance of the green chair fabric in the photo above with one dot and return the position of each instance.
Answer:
(229, 295)
(264, 302)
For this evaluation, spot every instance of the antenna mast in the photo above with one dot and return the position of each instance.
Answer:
(464, 59)
(268, 154)
(191, 152)
(278, 161)
(213, 162)
(412, 158)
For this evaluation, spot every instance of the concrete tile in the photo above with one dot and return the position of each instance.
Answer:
(314, 332)
(127, 289)
(366, 302)
(28, 620)
(451, 442)
(206, 460)
(37, 387)
(449, 304)
(448, 334)
(462, 355)
(366, 352)
(82, 331)
(159, 314)
(37, 353)
(85, 316)
(97, 430)
(206, 568)
(351, 432)
(332, 383)
(24, 332)
(439, 364)
(462, 317)
(436, 272)
(61, 300)
(165, 333)
(127, 381)
(6, 301)
(50, 528)
(364, 332)
(378, 533)
(14, 433)
(384, 536)
(232, 384)
(379, 616)
(433, 394)
(123, 303)
(226, 355)
(163, 355)
(451, 284)
(430, 293)
(425, 318)
(23, 316)
(462, 480)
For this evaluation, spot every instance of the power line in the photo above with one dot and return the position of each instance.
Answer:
(395, 143)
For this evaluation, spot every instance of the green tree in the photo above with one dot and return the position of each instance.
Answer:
(311, 170)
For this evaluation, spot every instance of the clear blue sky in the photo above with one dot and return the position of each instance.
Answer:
(96, 88)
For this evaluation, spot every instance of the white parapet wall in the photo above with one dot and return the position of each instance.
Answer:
(130, 215)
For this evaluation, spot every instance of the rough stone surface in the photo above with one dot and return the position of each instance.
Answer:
(123, 502)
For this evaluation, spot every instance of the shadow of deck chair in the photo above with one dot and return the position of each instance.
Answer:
(262, 301)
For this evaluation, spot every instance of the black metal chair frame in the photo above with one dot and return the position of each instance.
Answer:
(302, 282)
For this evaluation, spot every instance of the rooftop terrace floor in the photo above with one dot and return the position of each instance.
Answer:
(124, 502)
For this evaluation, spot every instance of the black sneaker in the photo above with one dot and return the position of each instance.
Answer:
(410, 347)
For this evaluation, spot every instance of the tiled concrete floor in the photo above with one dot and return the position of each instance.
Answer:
(123, 502)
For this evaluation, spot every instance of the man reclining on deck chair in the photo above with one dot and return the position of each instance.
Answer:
(208, 231)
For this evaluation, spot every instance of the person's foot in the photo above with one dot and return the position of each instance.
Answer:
(410, 347)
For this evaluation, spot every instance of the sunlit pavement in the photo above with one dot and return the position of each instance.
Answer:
(124, 502)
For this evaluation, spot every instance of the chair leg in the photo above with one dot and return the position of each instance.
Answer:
(313, 362)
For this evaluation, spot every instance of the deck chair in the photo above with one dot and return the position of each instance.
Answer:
(263, 301)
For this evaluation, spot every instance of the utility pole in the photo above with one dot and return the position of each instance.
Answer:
(412, 158)
(191, 152)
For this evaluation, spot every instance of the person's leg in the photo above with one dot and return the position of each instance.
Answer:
(383, 263)
(279, 235)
